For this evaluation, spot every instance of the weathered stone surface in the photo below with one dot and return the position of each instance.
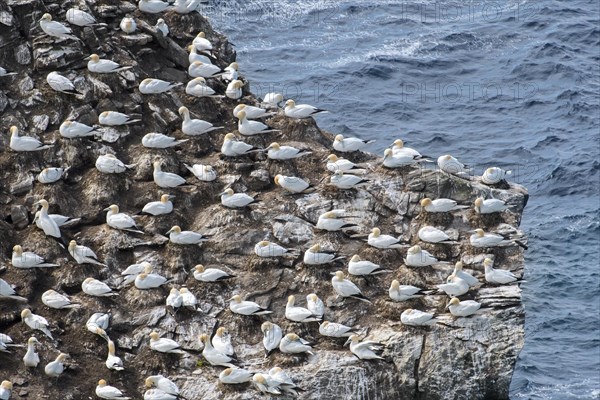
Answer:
(457, 358)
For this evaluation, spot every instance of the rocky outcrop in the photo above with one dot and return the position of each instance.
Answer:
(457, 358)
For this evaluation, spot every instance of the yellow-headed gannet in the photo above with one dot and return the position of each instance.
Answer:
(451, 165)
(236, 200)
(166, 179)
(294, 110)
(365, 350)
(251, 111)
(330, 221)
(152, 6)
(104, 391)
(164, 345)
(454, 286)
(128, 25)
(132, 271)
(398, 148)
(5, 389)
(314, 256)
(174, 300)
(148, 279)
(177, 236)
(230, 73)
(25, 143)
(299, 314)
(347, 145)
(99, 66)
(55, 29)
(416, 318)
(97, 288)
(232, 147)
(212, 355)
(61, 84)
(51, 174)
(60, 220)
(234, 91)
(194, 127)
(286, 384)
(27, 259)
(359, 267)
(115, 118)
(7, 292)
(440, 205)
(83, 254)
(198, 69)
(73, 129)
(293, 344)
(204, 173)
(489, 206)
(162, 383)
(398, 160)
(265, 384)
(233, 376)
(497, 276)
(197, 87)
(494, 175)
(251, 128)
(315, 305)
(463, 308)
(291, 183)
(35, 321)
(80, 18)
(486, 239)
(49, 226)
(185, 6)
(194, 56)
(244, 307)
(335, 163)
(431, 234)
(31, 359)
(399, 292)
(112, 361)
(201, 43)
(376, 239)
(210, 274)
(98, 321)
(222, 342)
(188, 299)
(332, 329)
(118, 220)
(417, 257)
(277, 152)
(162, 27)
(161, 207)
(53, 299)
(470, 279)
(272, 335)
(269, 249)
(55, 368)
(273, 99)
(156, 86)
(341, 181)
(345, 288)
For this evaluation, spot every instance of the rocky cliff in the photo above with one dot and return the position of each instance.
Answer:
(466, 358)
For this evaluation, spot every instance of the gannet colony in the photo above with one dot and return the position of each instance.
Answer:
(166, 235)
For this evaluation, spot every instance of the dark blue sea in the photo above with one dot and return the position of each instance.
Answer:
(508, 83)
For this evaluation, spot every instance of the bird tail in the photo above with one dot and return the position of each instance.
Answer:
(263, 312)
(18, 298)
(361, 297)
(47, 265)
(133, 121)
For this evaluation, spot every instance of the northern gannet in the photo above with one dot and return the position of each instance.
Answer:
(72, 129)
(174, 300)
(293, 344)
(194, 56)
(28, 259)
(213, 356)
(132, 271)
(494, 175)
(128, 25)
(399, 292)
(148, 279)
(251, 128)
(332, 329)
(291, 183)
(244, 307)
(177, 236)
(55, 368)
(470, 279)
(161, 207)
(463, 308)
(265, 384)
(221, 341)
(232, 147)
(61, 84)
(99, 66)
(497, 276)
(55, 29)
(7, 292)
(201, 43)
(164, 345)
(210, 274)
(230, 73)
(36, 322)
(194, 127)
(273, 99)
(48, 225)
(232, 376)
(315, 305)
(330, 221)
(314, 256)
(166, 179)
(277, 152)
(53, 299)
(440, 205)
(162, 383)
(489, 206)
(433, 235)
(398, 148)
(398, 160)
(162, 27)
(286, 384)
(51, 174)
(197, 87)
(345, 288)
(119, 220)
(269, 249)
(81, 18)
(112, 361)
(109, 164)
(365, 350)
(335, 163)
(451, 165)
(25, 143)
(344, 182)
(188, 299)
(152, 6)
(299, 314)
(185, 6)
(416, 318)
(486, 239)
(272, 335)
(454, 286)
(31, 359)
(294, 110)
(96, 322)
(198, 69)
(252, 112)
(60, 220)
(236, 200)
(347, 145)
(5, 389)
(234, 91)
(115, 118)
(83, 254)
(376, 239)
(417, 257)
(359, 267)
(156, 86)
(104, 391)
(94, 287)
(204, 173)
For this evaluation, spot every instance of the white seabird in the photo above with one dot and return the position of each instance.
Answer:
(345, 182)
(148, 279)
(347, 145)
(55, 368)
(81, 18)
(315, 305)
(7, 291)
(121, 221)
(194, 127)
(98, 321)
(234, 90)
(161, 207)
(451, 165)
(463, 308)
(55, 29)
(399, 292)
(185, 6)
(293, 344)
(128, 25)
(294, 110)
(198, 69)
(114, 118)
(49, 226)
(197, 87)
(177, 236)
(299, 314)
(164, 345)
(330, 222)
(152, 6)
(221, 341)
(345, 288)
(440, 205)
(416, 318)
(237, 306)
(417, 257)
(174, 300)
(494, 175)
(286, 384)
(489, 206)
(210, 274)
(36, 322)
(497, 276)
(398, 148)
(5, 389)
(291, 183)
(162, 383)
(232, 147)
(194, 56)
(83, 254)
(251, 128)
(433, 235)
(95, 64)
(201, 43)
(112, 361)
(314, 256)
(273, 99)
(398, 160)
(272, 335)
(486, 239)
(252, 112)
(265, 384)
(365, 350)
(109, 164)
(268, 249)
(132, 271)
(94, 287)
(230, 73)
(105, 391)
(28, 259)
(162, 27)
(156, 86)
(73, 129)
(4, 72)
(60, 220)
(159, 141)
(359, 267)
(188, 299)
(53, 299)
(232, 376)
(204, 173)
(25, 143)
(277, 152)
(166, 179)
(332, 329)
(454, 286)
(213, 356)
(376, 239)
(31, 359)
(470, 279)
(51, 174)
(157, 394)
(61, 84)
(335, 163)
(236, 200)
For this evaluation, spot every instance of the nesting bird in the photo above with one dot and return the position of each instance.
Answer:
(25, 143)
(244, 307)
(109, 164)
(55, 29)
(156, 86)
(291, 184)
(346, 288)
(399, 292)
(83, 254)
(230, 199)
(348, 145)
(177, 236)
(73, 129)
(36, 322)
(272, 336)
(165, 179)
(417, 318)
(365, 350)
(161, 207)
(299, 314)
(210, 274)
(277, 152)
(164, 345)
(114, 118)
(265, 248)
(440, 205)
(159, 141)
(99, 66)
(204, 173)
(194, 127)
(27, 259)
(61, 84)
(121, 221)
(300, 111)
(376, 239)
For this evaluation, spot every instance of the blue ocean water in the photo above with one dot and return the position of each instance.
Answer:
(508, 83)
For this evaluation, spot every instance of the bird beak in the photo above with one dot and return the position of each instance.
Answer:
(347, 342)
(326, 159)
(37, 203)
(87, 58)
(231, 299)
(106, 209)
(169, 231)
(222, 194)
(171, 197)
